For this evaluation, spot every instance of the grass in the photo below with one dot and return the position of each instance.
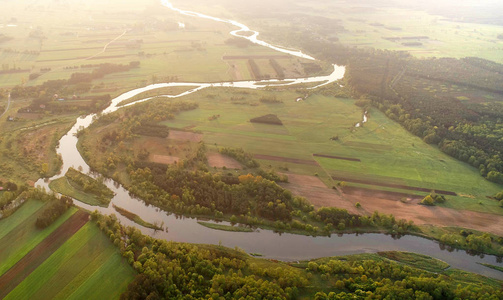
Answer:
(28, 144)
(416, 260)
(308, 126)
(492, 267)
(63, 186)
(186, 51)
(87, 266)
(25, 236)
(135, 218)
(225, 227)
(22, 213)
(69, 185)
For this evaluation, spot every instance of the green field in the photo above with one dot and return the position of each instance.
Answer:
(166, 52)
(416, 260)
(363, 26)
(62, 186)
(100, 195)
(21, 236)
(87, 266)
(388, 153)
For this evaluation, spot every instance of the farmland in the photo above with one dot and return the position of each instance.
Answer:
(166, 51)
(356, 155)
(380, 164)
(67, 260)
(387, 153)
(391, 25)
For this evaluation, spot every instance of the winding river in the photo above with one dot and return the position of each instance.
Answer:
(288, 247)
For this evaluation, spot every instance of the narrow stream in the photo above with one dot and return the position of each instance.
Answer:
(288, 247)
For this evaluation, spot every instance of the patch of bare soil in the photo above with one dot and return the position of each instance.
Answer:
(185, 136)
(41, 252)
(313, 189)
(402, 206)
(420, 214)
(164, 159)
(218, 160)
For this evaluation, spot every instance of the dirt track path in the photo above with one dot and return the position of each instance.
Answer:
(7, 108)
(41, 252)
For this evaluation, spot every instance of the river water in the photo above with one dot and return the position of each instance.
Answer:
(288, 247)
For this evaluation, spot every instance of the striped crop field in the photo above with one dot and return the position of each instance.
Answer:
(70, 259)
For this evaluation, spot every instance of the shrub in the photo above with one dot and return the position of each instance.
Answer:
(428, 200)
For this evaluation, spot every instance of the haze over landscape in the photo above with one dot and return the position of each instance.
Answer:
(251, 150)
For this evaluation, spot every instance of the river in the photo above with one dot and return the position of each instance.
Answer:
(288, 247)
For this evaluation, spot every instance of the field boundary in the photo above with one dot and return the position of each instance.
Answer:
(392, 185)
(286, 159)
(336, 157)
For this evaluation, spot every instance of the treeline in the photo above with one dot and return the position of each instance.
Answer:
(267, 119)
(145, 114)
(169, 270)
(241, 156)
(10, 191)
(277, 68)
(255, 69)
(44, 97)
(468, 131)
(336, 218)
(53, 211)
(90, 185)
(101, 71)
(238, 42)
(152, 129)
(384, 279)
(474, 243)
(198, 192)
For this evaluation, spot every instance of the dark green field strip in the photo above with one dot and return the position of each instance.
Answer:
(369, 146)
(286, 159)
(337, 157)
(41, 252)
(391, 185)
(369, 192)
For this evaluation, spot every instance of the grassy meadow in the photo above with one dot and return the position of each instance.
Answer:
(64, 187)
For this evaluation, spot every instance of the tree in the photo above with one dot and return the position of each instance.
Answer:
(428, 200)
